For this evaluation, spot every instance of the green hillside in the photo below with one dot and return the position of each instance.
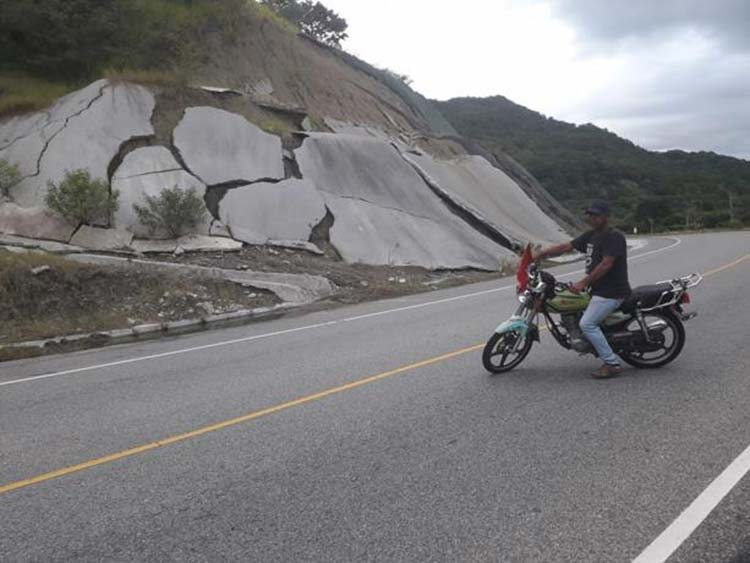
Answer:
(674, 189)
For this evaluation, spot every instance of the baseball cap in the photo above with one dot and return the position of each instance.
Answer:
(598, 207)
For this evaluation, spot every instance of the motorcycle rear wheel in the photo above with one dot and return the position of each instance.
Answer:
(499, 347)
(670, 352)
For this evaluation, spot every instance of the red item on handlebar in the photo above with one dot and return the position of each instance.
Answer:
(522, 276)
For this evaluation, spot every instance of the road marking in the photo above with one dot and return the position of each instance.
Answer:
(231, 422)
(730, 265)
(693, 516)
(297, 329)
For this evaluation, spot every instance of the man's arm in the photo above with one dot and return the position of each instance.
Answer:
(554, 251)
(598, 273)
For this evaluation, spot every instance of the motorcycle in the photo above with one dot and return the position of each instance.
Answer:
(647, 331)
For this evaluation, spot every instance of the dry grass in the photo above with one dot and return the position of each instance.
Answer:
(150, 77)
(20, 93)
(73, 298)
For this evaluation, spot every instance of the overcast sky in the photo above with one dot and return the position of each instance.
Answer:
(663, 73)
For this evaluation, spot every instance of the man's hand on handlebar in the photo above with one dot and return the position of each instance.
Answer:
(578, 287)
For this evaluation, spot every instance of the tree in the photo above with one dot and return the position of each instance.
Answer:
(313, 19)
(81, 199)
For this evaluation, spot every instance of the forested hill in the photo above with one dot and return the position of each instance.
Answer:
(673, 189)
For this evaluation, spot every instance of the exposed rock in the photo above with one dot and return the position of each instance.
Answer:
(262, 212)
(34, 222)
(154, 246)
(369, 234)
(201, 243)
(384, 211)
(40, 270)
(297, 245)
(102, 239)
(219, 229)
(188, 243)
(490, 195)
(219, 147)
(28, 244)
(84, 130)
(148, 171)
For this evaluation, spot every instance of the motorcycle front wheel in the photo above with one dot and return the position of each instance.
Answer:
(499, 355)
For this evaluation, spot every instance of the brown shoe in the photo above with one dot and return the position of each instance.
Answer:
(607, 371)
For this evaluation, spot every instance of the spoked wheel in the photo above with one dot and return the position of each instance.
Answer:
(668, 341)
(501, 353)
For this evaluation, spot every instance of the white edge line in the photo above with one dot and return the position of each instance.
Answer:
(693, 516)
(298, 329)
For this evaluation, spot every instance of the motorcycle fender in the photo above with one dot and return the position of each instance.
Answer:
(518, 324)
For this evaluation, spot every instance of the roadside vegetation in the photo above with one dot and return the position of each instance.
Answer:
(45, 296)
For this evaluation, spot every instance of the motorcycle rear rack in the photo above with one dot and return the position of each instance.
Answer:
(678, 287)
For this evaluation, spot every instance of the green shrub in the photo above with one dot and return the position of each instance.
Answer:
(9, 176)
(174, 211)
(82, 199)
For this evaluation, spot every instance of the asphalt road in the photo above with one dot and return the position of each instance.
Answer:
(373, 433)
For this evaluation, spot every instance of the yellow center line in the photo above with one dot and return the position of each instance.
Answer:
(231, 422)
(264, 412)
(726, 267)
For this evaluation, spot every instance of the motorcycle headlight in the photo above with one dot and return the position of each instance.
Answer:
(523, 297)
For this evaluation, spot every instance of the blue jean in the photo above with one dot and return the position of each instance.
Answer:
(598, 310)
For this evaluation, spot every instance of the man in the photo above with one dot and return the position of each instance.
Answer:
(606, 276)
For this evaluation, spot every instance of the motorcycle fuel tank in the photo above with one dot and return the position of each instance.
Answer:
(566, 301)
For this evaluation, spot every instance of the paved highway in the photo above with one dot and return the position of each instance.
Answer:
(373, 433)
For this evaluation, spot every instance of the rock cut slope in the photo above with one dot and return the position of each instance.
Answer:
(289, 141)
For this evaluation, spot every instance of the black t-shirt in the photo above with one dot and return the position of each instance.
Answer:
(597, 245)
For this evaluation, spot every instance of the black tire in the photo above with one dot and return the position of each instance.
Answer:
(496, 346)
(671, 354)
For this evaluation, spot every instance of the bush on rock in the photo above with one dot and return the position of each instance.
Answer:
(175, 211)
(79, 198)
(9, 176)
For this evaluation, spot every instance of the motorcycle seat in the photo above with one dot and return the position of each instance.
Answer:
(646, 296)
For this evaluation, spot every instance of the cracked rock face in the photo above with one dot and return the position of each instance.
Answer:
(478, 187)
(263, 212)
(221, 147)
(384, 211)
(148, 171)
(83, 130)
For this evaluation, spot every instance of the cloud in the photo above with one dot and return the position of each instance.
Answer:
(725, 21)
(682, 78)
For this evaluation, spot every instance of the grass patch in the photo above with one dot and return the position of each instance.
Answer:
(21, 93)
(276, 126)
(150, 77)
(266, 13)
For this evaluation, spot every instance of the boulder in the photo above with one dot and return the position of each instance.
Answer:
(34, 222)
(218, 147)
(262, 212)
(396, 218)
(491, 196)
(148, 171)
(95, 238)
(83, 130)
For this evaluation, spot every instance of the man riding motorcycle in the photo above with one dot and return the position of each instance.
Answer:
(606, 276)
